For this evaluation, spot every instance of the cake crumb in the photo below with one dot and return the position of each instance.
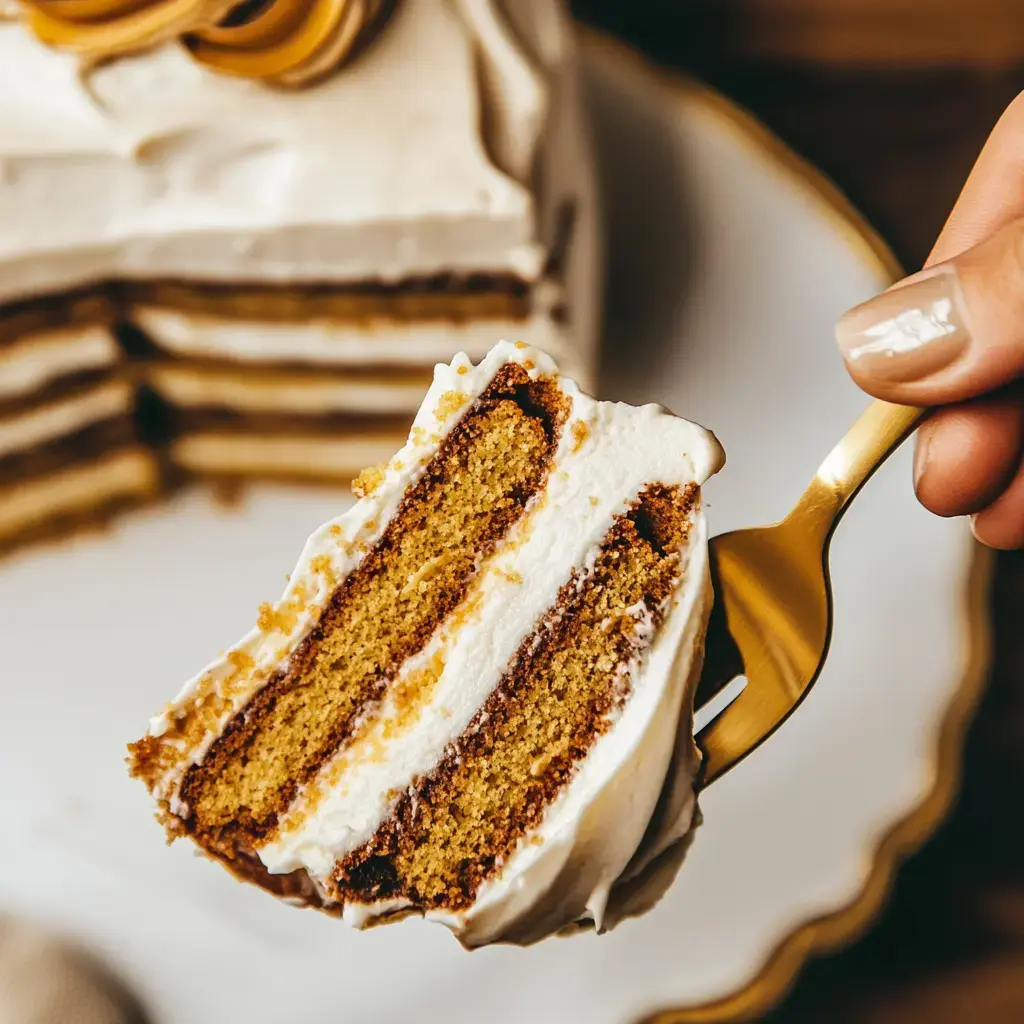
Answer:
(595, 500)
(450, 402)
(275, 620)
(580, 433)
(461, 370)
(529, 364)
(368, 481)
(322, 566)
(228, 495)
(240, 660)
(335, 530)
(520, 344)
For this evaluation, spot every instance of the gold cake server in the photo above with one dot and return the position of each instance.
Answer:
(772, 617)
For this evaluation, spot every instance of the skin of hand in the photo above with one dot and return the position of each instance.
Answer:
(951, 338)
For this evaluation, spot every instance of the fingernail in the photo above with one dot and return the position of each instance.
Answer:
(973, 520)
(909, 332)
(921, 455)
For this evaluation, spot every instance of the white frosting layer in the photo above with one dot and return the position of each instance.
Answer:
(590, 834)
(287, 455)
(36, 360)
(168, 169)
(78, 490)
(337, 344)
(191, 387)
(65, 416)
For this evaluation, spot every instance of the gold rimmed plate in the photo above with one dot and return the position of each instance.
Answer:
(801, 841)
(730, 261)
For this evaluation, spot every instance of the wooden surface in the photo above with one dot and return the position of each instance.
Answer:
(849, 32)
(898, 131)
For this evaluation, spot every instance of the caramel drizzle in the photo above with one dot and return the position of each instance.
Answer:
(288, 42)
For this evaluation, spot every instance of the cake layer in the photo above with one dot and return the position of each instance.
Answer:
(303, 457)
(468, 497)
(307, 394)
(35, 361)
(75, 496)
(57, 312)
(379, 344)
(37, 426)
(83, 445)
(558, 675)
(443, 296)
(455, 827)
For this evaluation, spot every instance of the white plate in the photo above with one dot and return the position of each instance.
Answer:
(727, 274)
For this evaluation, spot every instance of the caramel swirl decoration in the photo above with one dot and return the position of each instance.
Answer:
(288, 42)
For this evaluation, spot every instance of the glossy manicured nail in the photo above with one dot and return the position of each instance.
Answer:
(909, 332)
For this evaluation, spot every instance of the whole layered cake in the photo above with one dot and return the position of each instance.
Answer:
(237, 236)
(473, 701)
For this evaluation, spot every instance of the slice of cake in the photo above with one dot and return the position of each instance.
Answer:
(289, 213)
(467, 702)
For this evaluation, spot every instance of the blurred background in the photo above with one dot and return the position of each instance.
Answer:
(893, 99)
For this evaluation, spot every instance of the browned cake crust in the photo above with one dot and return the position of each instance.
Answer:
(451, 298)
(468, 497)
(456, 826)
(54, 312)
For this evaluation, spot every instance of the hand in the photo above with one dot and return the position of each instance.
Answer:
(952, 337)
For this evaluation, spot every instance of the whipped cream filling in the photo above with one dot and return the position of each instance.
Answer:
(38, 359)
(63, 417)
(192, 387)
(338, 344)
(163, 168)
(607, 453)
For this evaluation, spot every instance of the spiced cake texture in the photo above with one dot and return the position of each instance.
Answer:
(476, 681)
(455, 827)
(479, 483)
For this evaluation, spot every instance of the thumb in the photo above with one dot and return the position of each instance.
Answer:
(951, 332)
